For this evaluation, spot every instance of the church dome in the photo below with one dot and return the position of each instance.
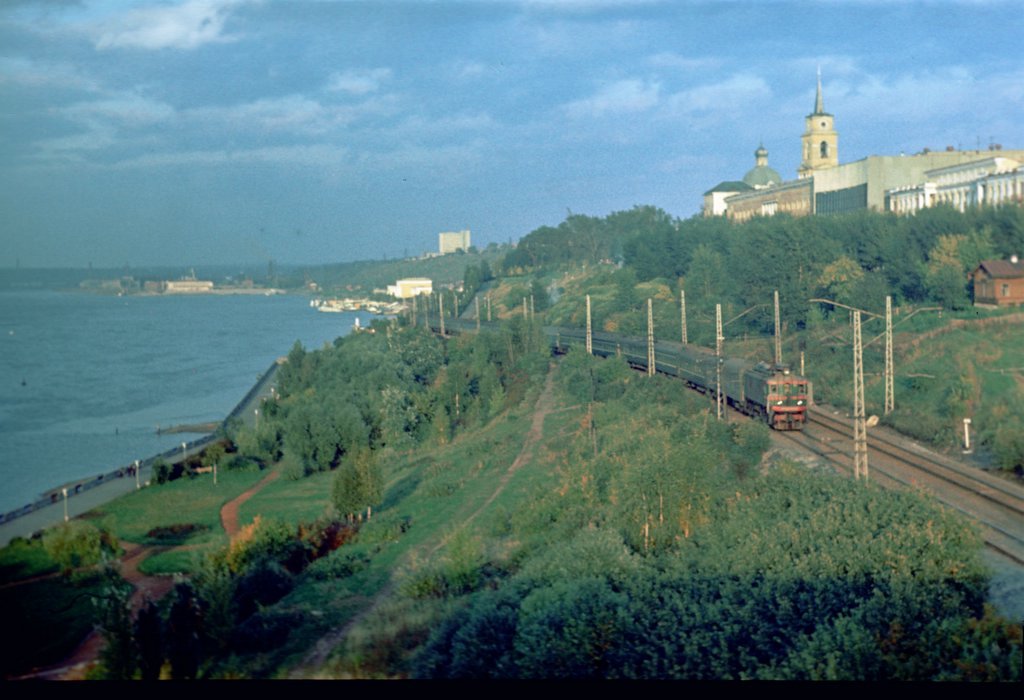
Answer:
(761, 175)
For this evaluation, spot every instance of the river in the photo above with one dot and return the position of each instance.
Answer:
(86, 380)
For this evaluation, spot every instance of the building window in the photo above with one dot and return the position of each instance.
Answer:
(1005, 289)
(824, 149)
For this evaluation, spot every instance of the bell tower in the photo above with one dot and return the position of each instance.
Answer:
(820, 141)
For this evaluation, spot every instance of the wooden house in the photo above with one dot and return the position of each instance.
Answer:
(999, 282)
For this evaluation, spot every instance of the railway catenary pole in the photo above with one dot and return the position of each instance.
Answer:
(860, 430)
(590, 341)
(650, 338)
(889, 393)
(778, 332)
(682, 313)
(718, 361)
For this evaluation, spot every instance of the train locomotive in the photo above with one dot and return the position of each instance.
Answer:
(772, 393)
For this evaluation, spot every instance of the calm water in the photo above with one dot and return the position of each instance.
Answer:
(85, 380)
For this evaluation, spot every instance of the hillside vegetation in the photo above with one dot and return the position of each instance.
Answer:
(469, 509)
(856, 260)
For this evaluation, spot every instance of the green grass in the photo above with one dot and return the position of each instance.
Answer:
(183, 501)
(292, 501)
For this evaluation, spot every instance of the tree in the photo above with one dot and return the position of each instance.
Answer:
(73, 545)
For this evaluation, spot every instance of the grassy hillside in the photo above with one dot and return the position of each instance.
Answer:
(575, 519)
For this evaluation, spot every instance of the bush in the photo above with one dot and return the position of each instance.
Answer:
(161, 471)
(340, 563)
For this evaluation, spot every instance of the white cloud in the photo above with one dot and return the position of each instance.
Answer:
(294, 114)
(674, 61)
(620, 97)
(183, 26)
(728, 96)
(16, 70)
(316, 155)
(358, 82)
(127, 109)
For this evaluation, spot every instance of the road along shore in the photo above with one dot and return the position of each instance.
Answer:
(80, 496)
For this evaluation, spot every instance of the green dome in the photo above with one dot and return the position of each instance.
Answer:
(762, 176)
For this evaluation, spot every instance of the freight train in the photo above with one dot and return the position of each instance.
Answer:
(770, 392)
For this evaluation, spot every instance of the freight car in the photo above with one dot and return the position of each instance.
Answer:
(772, 393)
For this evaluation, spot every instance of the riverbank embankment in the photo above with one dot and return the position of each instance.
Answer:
(80, 496)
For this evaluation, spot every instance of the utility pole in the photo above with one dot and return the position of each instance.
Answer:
(590, 343)
(532, 314)
(650, 338)
(889, 369)
(682, 312)
(718, 361)
(488, 308)
(440, 299)
(414, 312)
(526, 315)
(778, 332)
(860, 429)
(476, 305)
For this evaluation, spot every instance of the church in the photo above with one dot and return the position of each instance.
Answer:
(900, 184)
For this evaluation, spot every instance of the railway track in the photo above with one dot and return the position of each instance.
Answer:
(996, 505)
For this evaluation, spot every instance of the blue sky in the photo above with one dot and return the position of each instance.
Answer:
(236, 131)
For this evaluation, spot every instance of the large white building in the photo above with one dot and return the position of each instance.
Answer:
(451, 241)
(408, 288)
(901, 183)
(985, 182)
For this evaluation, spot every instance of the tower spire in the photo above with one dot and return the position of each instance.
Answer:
(819, 103)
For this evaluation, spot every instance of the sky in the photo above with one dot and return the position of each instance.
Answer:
(194, 132)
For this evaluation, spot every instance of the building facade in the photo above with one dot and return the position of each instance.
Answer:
(408, 288)
(991, 181)
(452, 241)
(901, 184)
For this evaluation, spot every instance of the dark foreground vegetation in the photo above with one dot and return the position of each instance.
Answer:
(635, 537)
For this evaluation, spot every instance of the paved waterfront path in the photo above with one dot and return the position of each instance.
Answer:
(53, 514)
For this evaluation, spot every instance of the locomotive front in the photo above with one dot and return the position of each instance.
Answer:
(785, 399)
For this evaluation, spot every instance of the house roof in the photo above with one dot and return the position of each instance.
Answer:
(1002, 268)
(730, 186)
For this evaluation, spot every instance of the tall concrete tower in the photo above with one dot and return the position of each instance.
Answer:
(820, 141)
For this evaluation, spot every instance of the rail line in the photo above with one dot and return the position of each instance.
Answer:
(997, 506)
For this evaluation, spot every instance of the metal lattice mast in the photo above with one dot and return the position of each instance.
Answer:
(778, 332)
(682, 312)
(650, 338)
(590, 344)
(860, 429)
(718, 361)
(890, 400)
(440, 313)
